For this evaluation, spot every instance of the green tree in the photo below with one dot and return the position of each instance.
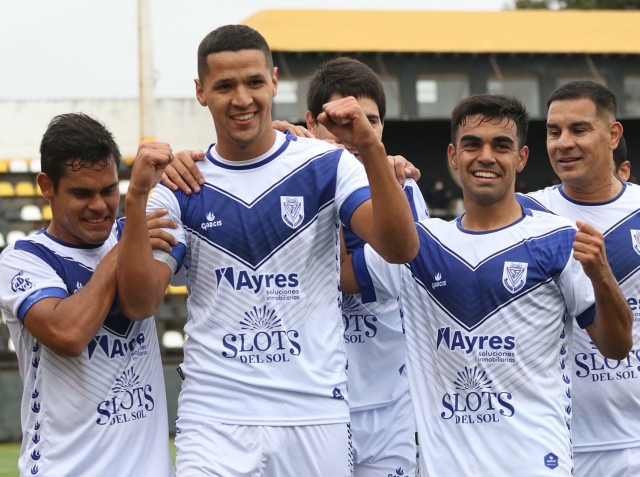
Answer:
(578, 4)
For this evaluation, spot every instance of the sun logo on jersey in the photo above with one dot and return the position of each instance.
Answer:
(514, 275)
(20, 283)
(350, 304)
(292, 210)
(126, 381)
(260, 319)
(472, 379)
(635, 240)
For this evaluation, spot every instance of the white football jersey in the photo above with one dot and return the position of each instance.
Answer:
(606, 393)
(265, 339)
(103, 412)
(488, 342)
(374, 335)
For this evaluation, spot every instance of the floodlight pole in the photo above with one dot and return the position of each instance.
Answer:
(146, 99)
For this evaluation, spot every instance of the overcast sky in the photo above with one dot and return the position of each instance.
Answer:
(88, 48)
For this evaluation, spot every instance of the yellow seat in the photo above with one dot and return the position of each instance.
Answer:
(25, 188)
(171, 290)
(4, 166)
(6, 189)
(46, 212)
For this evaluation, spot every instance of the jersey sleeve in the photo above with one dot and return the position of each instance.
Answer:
(578, 294)
(163, 198)
(352, 186)
(416, 200)
(25, 280)
(378, 279)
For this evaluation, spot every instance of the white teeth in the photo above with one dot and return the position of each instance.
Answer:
(243, 117)
(95, 221)
(488, 175)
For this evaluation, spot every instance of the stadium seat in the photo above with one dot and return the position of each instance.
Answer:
(46, 212)
(18, 165)
(171, 290)
(4, 166)
(6, 189)
(25, 189)
(30, 212)
(34, 166)
(14, 235)
(172, 339)
(123, 185)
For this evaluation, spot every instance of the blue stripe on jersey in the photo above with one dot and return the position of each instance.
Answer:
(352, 241)
(531, 203)
(474, 293)
(240, 166)
(623, 246)
(360, 270)
(75, 275)
(37, 296)
(252, 232)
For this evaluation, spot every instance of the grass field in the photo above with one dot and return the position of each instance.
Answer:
(9, 458)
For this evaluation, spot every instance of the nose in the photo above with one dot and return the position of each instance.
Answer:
(565, 141)
(242, 97)
(486, 154)
(97, 203)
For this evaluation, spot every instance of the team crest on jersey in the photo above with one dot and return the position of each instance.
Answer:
(21, 283)
(514, 275)
(635, 240)
(292, 210)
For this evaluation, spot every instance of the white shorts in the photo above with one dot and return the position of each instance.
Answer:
(611, 463)
(384, 440)
(262, 451)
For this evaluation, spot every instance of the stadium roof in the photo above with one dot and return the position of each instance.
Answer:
(522, 31)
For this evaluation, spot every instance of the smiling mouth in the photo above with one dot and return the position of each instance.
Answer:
(243, 117)
(485, 175)
(97, 221)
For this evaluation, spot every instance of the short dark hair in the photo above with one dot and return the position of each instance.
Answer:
(603, 97)
(620, 152)
(76, 140)
(231, 38)
(347, 77)
(491, 107)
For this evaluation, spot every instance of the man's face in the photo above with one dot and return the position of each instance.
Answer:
(487, 156)
(580, 143)
(370, 109)
(85, 205)
(239, 90)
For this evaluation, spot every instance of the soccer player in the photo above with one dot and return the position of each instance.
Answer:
(582, 135)
(489, 304)
(622, 166)
(264, 381)
(94, 400)
(382, 419)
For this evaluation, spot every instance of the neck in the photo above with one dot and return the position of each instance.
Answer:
(593, 192)
(237, 151)
(486, 217)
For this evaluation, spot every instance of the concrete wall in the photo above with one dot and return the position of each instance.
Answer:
(183, 123)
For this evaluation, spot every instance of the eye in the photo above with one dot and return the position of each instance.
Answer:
(552, 133)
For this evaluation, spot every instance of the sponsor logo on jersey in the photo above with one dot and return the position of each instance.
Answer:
(514, 275)
(113, 347)
(359, 326)
(131, 400)
(399, 472)
(597, 368)
(21, 283)
(276, 286)
(211, 221)
(475, 400)
(635, 240)
(551, 460)
(439, 282)
(292, 210)
(78, 287)
(263, 339)
(487, 348)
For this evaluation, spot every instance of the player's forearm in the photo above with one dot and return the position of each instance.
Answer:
(75, 321)
(140, 290)
(393, 228)
(613, 322)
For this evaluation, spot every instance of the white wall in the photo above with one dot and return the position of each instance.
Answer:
(183, 123)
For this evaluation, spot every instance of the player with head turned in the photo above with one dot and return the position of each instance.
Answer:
(382, 419)
(583, 136)
(489, 304)
(94, 399)
(622, 165)
(264, 381)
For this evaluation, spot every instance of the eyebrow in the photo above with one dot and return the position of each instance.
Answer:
(499, 138)
(573, 125)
